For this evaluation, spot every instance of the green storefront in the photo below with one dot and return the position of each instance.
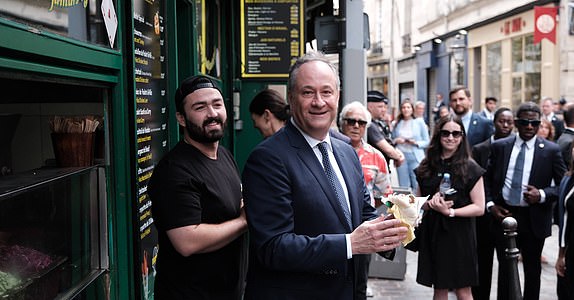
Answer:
(75, 199)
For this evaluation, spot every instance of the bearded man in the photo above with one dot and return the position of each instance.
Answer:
(196, 204)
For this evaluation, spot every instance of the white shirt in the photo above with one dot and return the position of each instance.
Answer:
(488, 114)
(466, 120)
(528, 159)
(313, 144)
(549, 116)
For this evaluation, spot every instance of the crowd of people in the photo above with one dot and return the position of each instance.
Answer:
(301, 222)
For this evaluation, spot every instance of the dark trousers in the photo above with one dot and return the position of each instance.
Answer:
(563, 289)
(530, 248)
(486, 244)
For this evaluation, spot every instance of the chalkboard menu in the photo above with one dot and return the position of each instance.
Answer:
(151, 103)
(271, 36)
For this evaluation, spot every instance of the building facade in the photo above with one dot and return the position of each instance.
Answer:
(485, 45)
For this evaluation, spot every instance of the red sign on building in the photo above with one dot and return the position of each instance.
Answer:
(545, 23)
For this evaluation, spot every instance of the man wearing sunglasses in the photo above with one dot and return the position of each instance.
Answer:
(548, 114)
(477, 128)
(519, 184)
(503, 126)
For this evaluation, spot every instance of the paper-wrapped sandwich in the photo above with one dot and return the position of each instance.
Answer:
(406, 208)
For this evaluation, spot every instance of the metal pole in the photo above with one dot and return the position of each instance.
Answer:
(510, 225)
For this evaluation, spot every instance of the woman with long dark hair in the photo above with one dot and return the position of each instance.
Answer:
(447, 234)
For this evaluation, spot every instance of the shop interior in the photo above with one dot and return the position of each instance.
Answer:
(52, 186)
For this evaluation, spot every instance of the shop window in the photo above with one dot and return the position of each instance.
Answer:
(493, 69)
(209, 36)
(81, 20)
(526, 61)
(53, 201)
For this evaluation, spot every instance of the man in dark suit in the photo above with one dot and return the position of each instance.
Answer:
(503, 126)
(307, 206)
(477, 128)
(489, 108)
(436, 109)
(548, 113)
(519, 184)
(565, 140)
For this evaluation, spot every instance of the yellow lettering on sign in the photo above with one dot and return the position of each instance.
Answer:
(66, 3)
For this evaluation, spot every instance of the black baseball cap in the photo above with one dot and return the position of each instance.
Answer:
(376, 96)
(190, 85)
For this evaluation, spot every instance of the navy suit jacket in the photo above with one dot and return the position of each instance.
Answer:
(297, 228)
(481, 152)
(547, 164)
(479, 129)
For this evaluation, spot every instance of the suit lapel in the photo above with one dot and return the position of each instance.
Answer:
(538, 158)
(470, 126)
(306, 154)
(344, 165)
(507, 151)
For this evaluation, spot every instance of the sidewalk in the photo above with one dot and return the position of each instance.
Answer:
(410, 289)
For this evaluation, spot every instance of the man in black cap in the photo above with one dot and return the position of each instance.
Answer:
(379, 132)
(196, 204)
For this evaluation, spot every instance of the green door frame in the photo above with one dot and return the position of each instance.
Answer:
(44, 54)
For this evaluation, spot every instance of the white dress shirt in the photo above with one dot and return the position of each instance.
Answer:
(313, 144)
(528, 159)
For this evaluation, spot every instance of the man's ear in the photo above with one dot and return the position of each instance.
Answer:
(180, 118)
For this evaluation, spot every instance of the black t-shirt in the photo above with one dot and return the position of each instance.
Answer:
(188, 188)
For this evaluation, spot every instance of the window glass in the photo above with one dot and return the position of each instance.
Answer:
(526, 61)
(209, 33)
(532, 55)
(493, 69)
(517, 54)
(82, 21)
(516, 91)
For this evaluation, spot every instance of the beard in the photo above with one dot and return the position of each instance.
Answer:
(200, 133)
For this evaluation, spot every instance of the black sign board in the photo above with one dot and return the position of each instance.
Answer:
(272, 37)
(151, 103)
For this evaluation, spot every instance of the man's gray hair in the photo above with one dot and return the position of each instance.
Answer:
(309, 57)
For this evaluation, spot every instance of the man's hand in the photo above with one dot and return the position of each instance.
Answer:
(531, 195)
(377, 235)
(399, 157)
(499, 212)
(560, 266)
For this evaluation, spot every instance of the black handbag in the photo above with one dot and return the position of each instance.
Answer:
(414, 244)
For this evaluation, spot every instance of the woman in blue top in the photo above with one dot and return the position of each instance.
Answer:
(411, 136)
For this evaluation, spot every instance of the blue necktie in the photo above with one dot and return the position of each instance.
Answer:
(516, 185)
(334, 182)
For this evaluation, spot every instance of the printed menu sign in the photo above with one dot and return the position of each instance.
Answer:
(271, 36)
(151, 103)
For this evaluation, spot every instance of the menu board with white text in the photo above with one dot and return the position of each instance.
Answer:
(151, 105)
(271, 37)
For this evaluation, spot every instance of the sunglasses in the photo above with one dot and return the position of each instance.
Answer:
(446, 133)
(525, 122)
(352, 122)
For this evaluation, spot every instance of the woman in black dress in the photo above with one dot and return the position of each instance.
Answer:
(447, 236)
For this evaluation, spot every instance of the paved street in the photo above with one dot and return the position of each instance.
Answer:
(408, 288)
